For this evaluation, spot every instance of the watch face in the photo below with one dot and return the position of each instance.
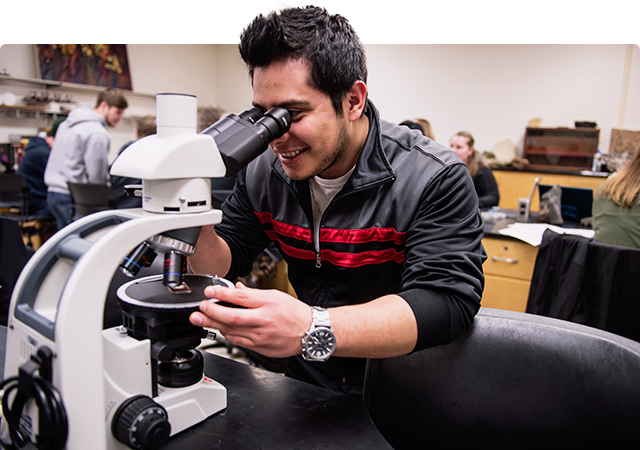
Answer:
(320, 344)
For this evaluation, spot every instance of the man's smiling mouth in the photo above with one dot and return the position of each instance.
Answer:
(292, 154)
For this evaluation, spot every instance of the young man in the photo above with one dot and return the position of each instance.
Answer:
(379, 225)
(32, 165)
(80, 152)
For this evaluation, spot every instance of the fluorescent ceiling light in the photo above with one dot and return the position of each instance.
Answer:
(333, 6)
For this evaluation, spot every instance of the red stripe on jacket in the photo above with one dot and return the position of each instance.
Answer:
(343, 259)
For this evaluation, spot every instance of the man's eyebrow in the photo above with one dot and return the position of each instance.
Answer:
(287, 104)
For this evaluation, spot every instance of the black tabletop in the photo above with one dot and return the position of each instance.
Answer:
(268, 410)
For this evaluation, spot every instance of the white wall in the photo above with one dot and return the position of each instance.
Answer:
(488, 76)
(493, 91)
(233, 92)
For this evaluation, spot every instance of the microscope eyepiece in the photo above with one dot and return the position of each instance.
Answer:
(242, 138)
(276, 121)
(252, 115)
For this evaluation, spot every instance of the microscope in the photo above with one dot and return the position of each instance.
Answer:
(69, 383)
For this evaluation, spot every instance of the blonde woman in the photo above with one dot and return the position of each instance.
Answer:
(422, 125)
(616, 207)
(483, 180)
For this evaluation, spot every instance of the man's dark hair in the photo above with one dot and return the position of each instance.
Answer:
(146, 126)
(113, 98)
(327, 42)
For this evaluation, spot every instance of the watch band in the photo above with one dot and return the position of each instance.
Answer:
(321, 318)
(318, 344)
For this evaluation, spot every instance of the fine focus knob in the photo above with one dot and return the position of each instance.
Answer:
(141, 423)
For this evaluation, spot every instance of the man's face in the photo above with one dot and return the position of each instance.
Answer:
(318, 141)
(460, 145)
(114, 115)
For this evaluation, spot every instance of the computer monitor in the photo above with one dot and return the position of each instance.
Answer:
(575, 203)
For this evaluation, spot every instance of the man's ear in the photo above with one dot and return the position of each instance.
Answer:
(103, 107)
(356, 100)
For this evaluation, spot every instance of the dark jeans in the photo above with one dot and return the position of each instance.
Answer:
(61, 207)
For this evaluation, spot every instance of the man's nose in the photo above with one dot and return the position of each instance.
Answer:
(282, 139)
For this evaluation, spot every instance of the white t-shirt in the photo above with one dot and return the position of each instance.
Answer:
(322, 192)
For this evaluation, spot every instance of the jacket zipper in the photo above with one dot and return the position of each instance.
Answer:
(318, 257)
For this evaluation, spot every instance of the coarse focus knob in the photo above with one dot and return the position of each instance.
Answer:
(141, 423)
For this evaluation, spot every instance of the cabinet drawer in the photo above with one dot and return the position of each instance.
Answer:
(509, 258)
(505, 293)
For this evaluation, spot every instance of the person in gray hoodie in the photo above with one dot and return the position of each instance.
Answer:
(80, 152)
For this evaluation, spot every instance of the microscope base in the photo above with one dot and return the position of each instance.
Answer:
(192, 404)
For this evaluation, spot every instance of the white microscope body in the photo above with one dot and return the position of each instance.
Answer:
(59, 298)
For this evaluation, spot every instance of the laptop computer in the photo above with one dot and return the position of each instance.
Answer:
(575, 203)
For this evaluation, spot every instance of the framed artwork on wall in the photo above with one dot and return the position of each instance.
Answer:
(91, 64)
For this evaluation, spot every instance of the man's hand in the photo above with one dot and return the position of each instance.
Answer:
(269, 322)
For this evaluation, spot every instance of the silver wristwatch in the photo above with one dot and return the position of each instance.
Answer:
(319, 343)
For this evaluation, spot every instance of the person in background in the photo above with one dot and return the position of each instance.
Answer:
(80, 152)
(426, 128)
(616, 207)
(33, 164)
(422, 125)
(379, 225)
(145, 126)
(483, 180)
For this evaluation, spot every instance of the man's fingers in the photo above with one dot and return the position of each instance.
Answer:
(241, 296)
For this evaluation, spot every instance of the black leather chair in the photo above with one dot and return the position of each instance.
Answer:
(89, 198)
(514, 380)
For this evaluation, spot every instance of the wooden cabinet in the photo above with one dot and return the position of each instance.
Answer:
(508, 271)
(561, 148)
(515, 184)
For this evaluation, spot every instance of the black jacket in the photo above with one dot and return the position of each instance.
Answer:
(588, 282)
(406, 223)
(486, 188)
(32, 165)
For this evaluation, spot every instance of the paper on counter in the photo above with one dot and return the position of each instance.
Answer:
(531, 233)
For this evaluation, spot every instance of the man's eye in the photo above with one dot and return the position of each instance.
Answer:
(294, 114)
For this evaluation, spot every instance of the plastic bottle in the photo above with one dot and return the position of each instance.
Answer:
(596, 165)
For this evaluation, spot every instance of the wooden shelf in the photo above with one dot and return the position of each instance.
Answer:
(50, 83)
(561, 147)
(543, 151)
